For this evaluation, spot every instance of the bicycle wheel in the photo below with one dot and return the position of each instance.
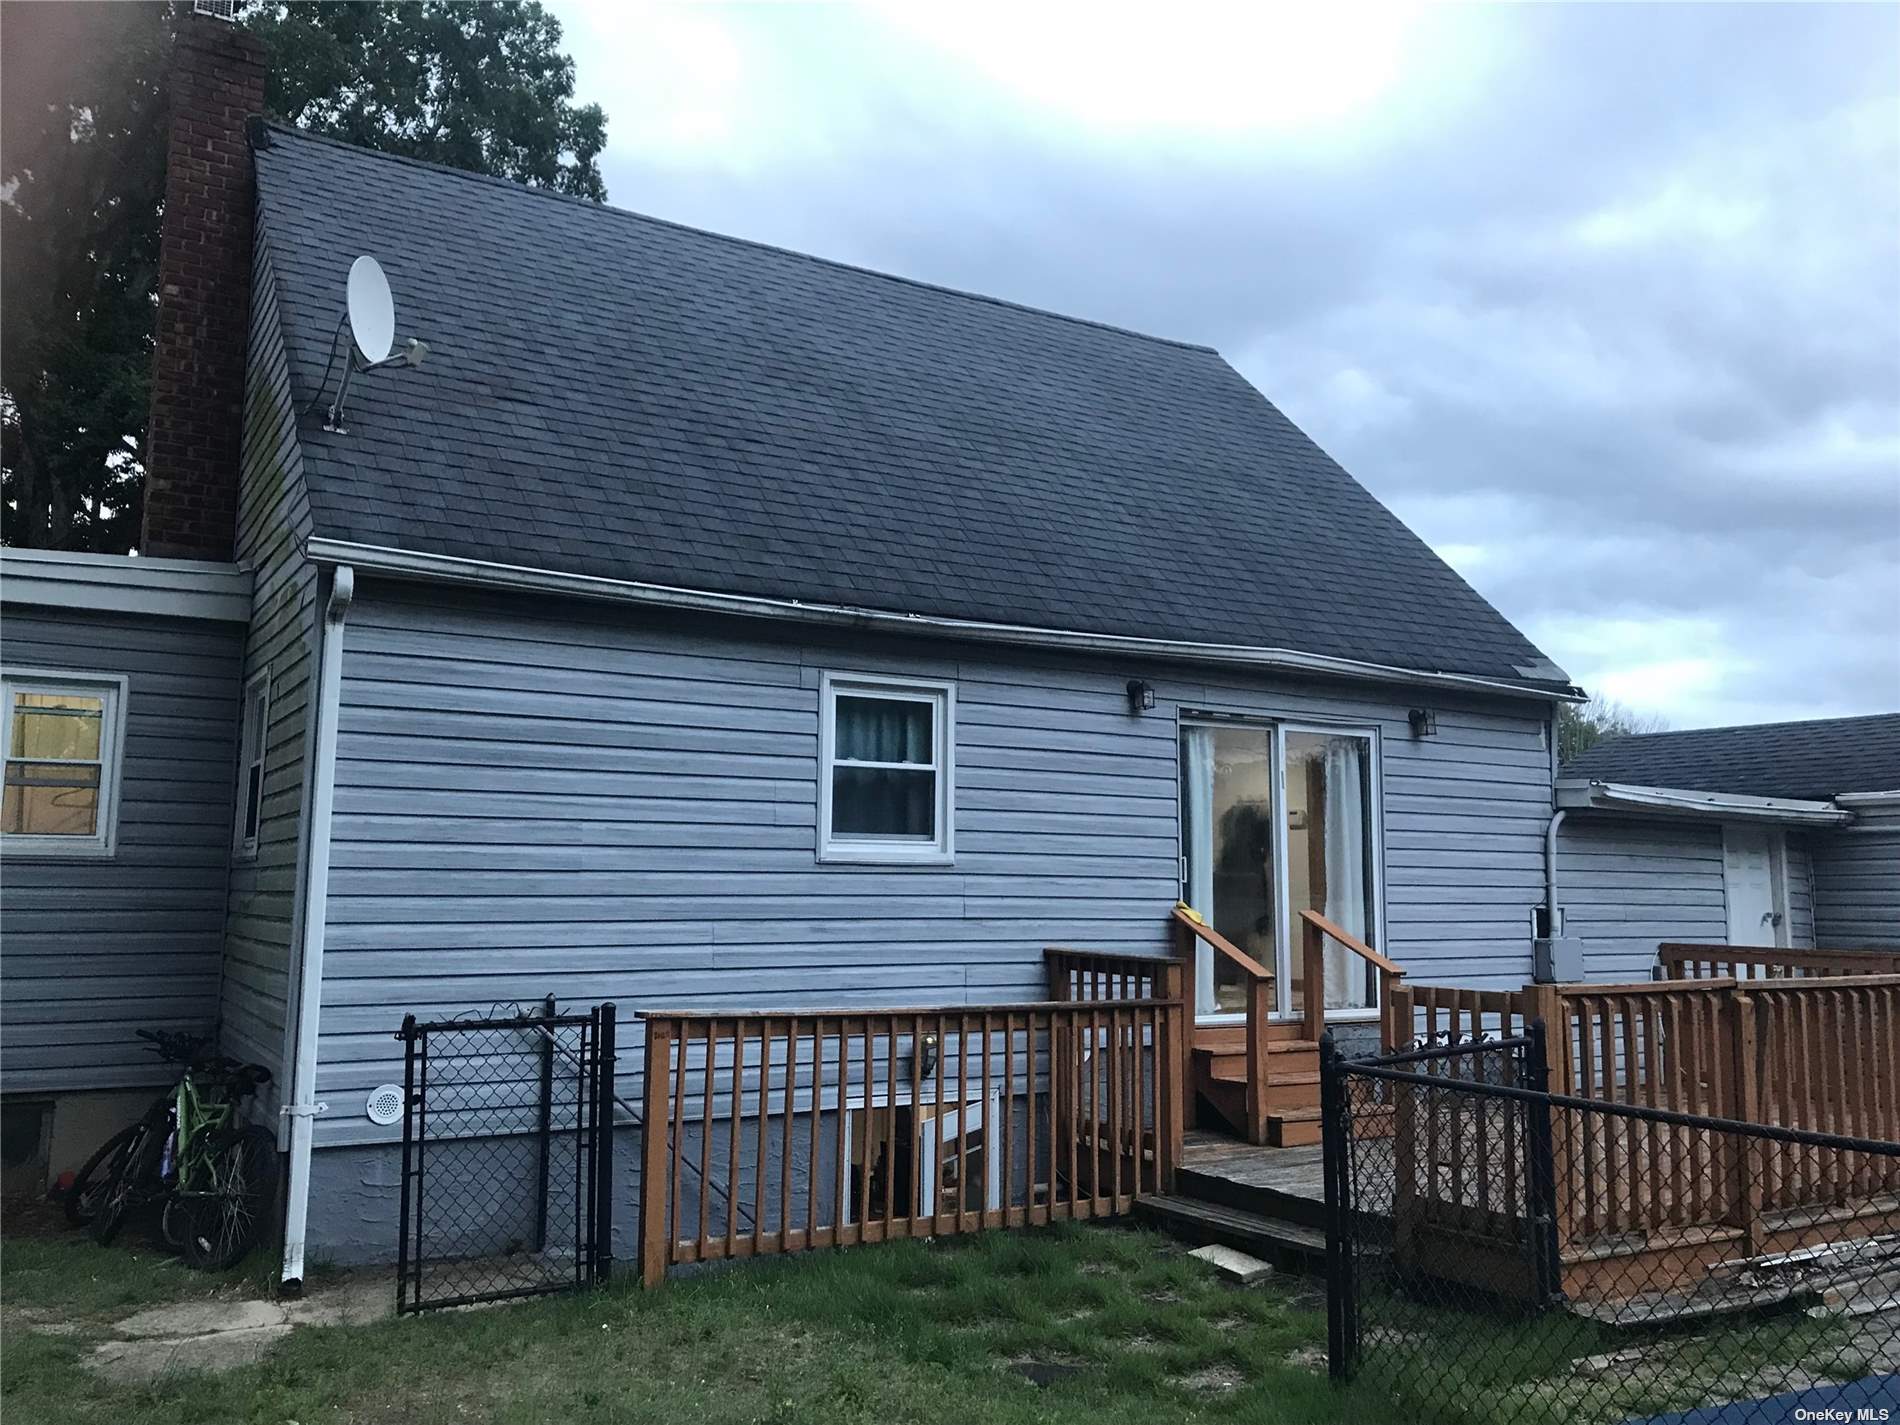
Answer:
(92, 1181)
(135, 1167)
(227, 1214)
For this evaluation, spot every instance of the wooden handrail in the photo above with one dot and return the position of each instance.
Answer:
(1351, 942)
(1041, 1006)
(1259, 1012)
(1681, 960)
(1317, 929)
(1222, 944)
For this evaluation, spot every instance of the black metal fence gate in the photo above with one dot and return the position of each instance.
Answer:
(507, 1157)
(1468, 1281)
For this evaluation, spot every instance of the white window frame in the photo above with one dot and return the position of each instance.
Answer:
(244, 848)
(113, 688)
(942, 696)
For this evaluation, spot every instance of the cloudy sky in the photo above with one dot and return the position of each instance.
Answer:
(1603, 300)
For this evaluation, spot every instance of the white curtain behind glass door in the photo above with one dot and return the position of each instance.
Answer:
(1197, 815)
(1348, 895)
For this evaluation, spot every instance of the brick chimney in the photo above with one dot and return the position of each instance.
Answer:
(195, 435)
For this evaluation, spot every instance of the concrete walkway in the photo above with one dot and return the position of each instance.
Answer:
(218, 1335)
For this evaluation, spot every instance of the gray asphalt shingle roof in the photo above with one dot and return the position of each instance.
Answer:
(1804, 760)
(613, 395)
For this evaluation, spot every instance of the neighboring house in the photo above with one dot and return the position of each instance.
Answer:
(705, 624)
(1782, 834)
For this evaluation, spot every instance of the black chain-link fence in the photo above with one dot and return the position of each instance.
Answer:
(1499, 1253)
(507, 1157)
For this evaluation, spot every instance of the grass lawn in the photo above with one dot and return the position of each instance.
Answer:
(1131, 1329)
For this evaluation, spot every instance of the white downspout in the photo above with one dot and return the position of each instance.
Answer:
(1551, 914)
(1551, 927)
(303, 1106)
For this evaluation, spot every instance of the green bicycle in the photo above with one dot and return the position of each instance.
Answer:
(215, 1176)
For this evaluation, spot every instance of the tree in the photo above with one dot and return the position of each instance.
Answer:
(479, 86)
(84, 174)
(1580, 726)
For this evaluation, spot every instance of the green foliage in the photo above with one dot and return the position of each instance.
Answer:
(1580, 726)
(479, 86)
(83, 93)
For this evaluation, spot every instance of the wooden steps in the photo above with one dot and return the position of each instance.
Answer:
(1290, 1095)
(1290, 1245)
(1269, 1202)
(1279, 1203)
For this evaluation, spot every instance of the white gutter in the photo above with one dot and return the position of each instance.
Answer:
(481, 573)
(303, 1106)
(1877, 800)
(1577, 794)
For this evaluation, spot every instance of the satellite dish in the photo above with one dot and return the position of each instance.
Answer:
(372, 310)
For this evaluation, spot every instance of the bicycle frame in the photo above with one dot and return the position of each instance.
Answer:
(194, 1119)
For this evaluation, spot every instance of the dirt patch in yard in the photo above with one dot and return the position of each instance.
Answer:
(1210, 1380)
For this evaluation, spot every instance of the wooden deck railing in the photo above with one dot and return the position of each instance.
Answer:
(1812, 1053)
(1315, 931)
(1768, 962)
(1825, 1058)
(1102, 974)
(1439, 1015)
(774, 1132)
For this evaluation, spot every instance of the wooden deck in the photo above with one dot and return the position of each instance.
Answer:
(1267, 1201)
(1269, 1175)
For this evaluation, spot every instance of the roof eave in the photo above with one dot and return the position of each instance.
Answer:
(1581, 794)
(126, 584)
(477, 573)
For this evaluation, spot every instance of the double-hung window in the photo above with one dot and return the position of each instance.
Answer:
(250, 789)
(885, 777)
(63, 737)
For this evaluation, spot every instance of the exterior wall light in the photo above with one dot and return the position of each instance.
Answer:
(1424, 722)
(1141, 696)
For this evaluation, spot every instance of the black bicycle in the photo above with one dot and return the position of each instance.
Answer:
(214, 1176)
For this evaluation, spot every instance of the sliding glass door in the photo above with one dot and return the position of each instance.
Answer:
(1330, 866)
(1228, 779)
(1276, 820)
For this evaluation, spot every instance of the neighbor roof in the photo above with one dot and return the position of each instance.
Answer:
(611, 395)
(1802, 760)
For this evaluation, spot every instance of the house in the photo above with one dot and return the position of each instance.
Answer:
(121, 687)
(708, 625)
(1780, 834)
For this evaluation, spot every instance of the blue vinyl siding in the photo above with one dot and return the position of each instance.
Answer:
(1627, 886)
(96, 949)
(273, 519)
(1630, 884)
(1857, 883)
(536, 799)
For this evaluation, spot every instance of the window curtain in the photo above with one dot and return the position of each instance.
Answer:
(883, 730)
(1197, 815)
(1348, 892)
